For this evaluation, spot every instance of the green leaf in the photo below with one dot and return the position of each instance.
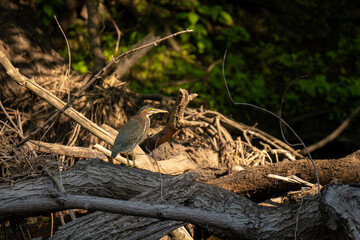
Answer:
(80, 67)
(201, 47)
(203, 9)
(193, 18)
(48, 9)
(226, 18)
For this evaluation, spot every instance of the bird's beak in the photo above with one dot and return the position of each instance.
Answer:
(156, 110)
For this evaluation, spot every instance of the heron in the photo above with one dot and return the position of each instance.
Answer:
(134, 132)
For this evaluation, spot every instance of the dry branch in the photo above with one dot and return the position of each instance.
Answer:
(54, 148)
(176, 122)
(53, 100)
(96, 185)
(233, 126)
(253, 181)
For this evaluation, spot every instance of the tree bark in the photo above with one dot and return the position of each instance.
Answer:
(253, 181)
(331, 214)
(94, 34)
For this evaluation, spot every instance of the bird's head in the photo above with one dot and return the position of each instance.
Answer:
(149, 110)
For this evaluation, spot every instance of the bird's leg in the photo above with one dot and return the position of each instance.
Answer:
(127, 158)
(133, 157)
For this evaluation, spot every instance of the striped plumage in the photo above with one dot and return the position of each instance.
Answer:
(134, 132)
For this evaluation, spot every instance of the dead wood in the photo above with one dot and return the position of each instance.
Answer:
(96, 185)
(54, 148)
(169, 166)
(254, 183)
(238, 128)
(176, 122)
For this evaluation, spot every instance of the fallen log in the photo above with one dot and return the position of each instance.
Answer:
(97, 185)
(254, 183)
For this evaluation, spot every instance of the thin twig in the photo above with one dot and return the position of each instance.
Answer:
(118, 32)
(93, 79)
(61, 215)
(52, 225)
(19, 133)
(69, 53)
(286, 179)
(47, 130)
(280, 112)
(7, 115)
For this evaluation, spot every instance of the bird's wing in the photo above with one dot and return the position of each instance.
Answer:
(128, 137)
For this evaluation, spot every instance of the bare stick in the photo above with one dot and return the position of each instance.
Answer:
(280, 112)
(52, 225)
(291, 179)
(7, 115)
(119, 33)
(69, 53)
(91, 81)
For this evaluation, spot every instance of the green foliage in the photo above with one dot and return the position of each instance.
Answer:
(47, 10)
(80, 66)
(267, 50)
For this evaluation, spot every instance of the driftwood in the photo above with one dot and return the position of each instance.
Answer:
(253, 181)
(169, 166)
(96, 185)
(176, 121)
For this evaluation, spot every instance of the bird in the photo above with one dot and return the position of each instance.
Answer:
(134, 132)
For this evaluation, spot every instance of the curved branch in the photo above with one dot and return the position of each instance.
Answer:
(176, 122)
